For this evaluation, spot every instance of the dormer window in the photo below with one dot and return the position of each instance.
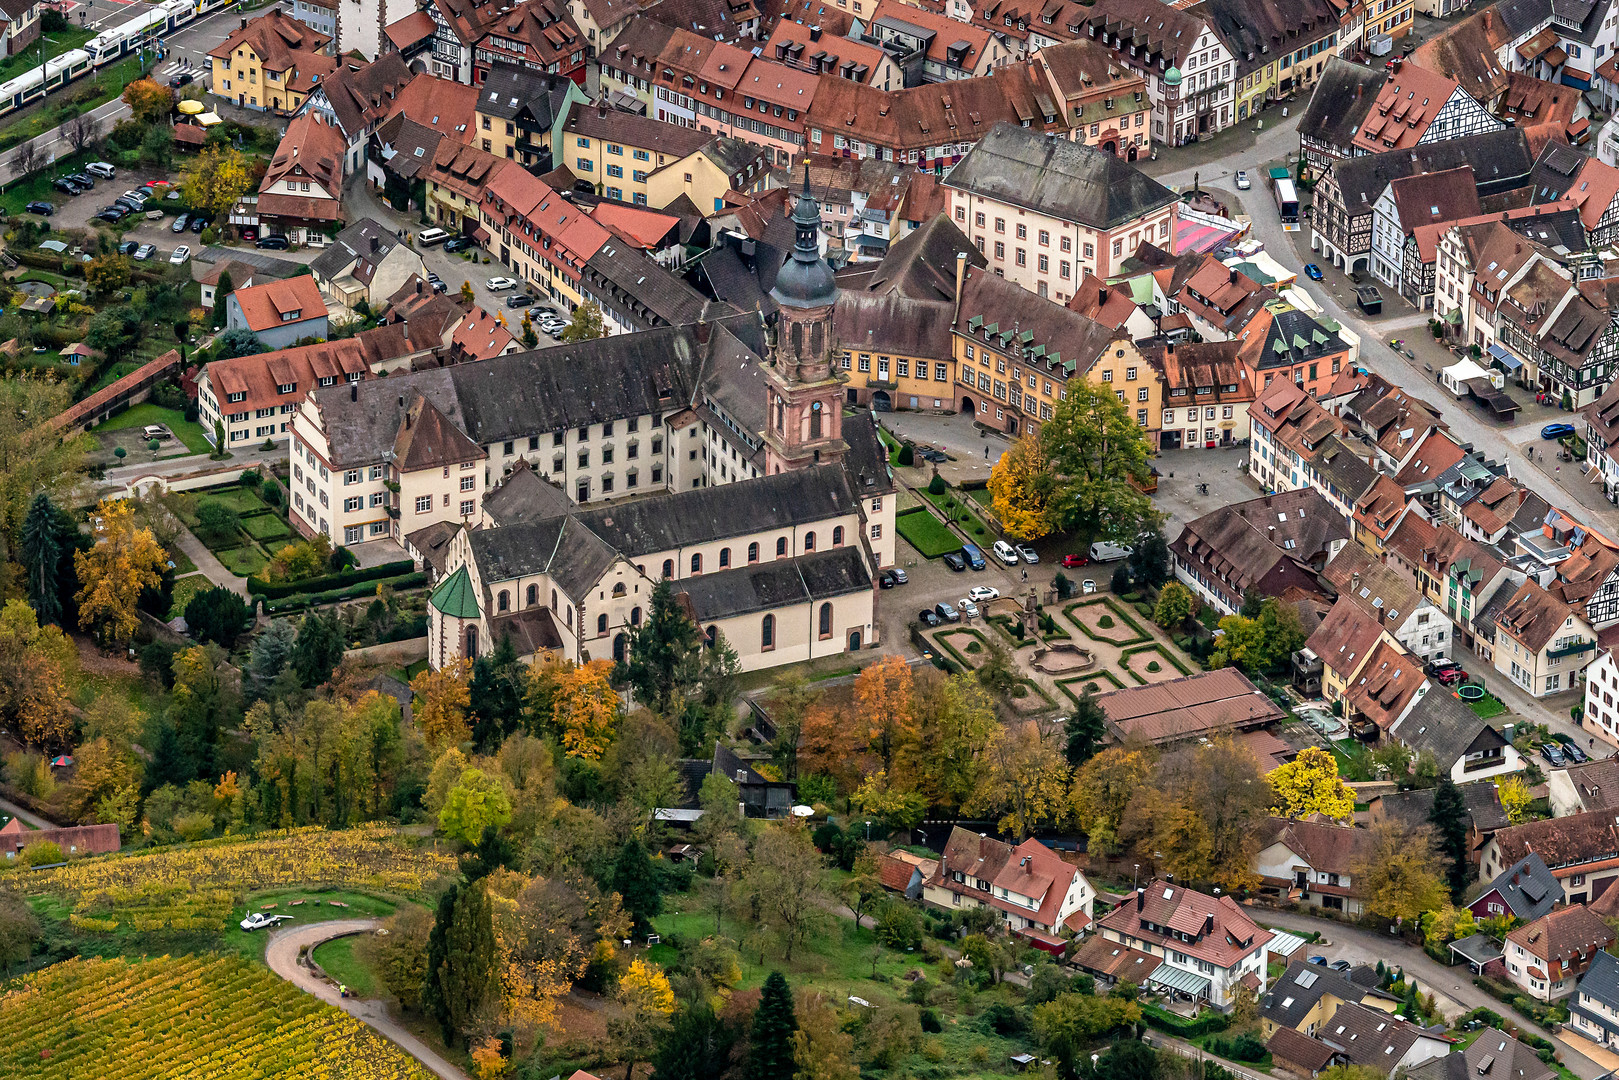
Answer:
(239, 396)
(291, 316)
(285, 388)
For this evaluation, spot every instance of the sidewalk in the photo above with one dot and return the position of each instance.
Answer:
(211, 568)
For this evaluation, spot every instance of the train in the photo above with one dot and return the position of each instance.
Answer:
(109, 45)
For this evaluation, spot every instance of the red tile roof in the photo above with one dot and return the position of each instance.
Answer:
(1224, 933)
(411, 29)
(265, 306)
(278, 40)
(447, 107)
(481, 336)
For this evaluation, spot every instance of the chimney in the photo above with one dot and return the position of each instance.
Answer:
(1101, 296)
(1489, 20)
(244, 23)
(354, 391)
(1354, 582)
(376, 242)
(1357, 91)
(704, 332)
(1141, 899)
(1233, 275)
(961, 276)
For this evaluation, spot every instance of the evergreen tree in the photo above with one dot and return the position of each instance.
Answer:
(272, 652)
(636, 882)
(465, 980)
(492, 852)
(770, 1043)
(697, 1046)
(318, 649)
(1149, 560)
(218, 614)
(659, 652)
(433, 1001)
(1085, 728)
(496, 696)
(1253, 602)
(225, 287)
(42, 558)
(1449, 817)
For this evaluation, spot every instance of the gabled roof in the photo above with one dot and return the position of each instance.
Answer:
(1469, 52)
(276, 303)
(1431, 198)
(1563, 934)
(1300, 988)
(1405, 106)
(1343, 96)
(427, 439)
(277, 39)
(1562, 842)
(1333, 849)
(446, 106)
(311, 149)
(1528, 888)
(1385, 684)
(1500, 160)
(1596, 782)
(1068, 180)
(1368, 1036)
(1030, 869)
(1533, 616)
(922, 263)
(1441, 722)
(1223, 933)
(361, 95)
(766, 586)
(1374, 587)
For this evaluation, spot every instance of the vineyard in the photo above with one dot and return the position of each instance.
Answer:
(195, 887)
(194, 1017)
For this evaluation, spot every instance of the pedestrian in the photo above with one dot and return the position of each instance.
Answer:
(986, 451)
(1025, 575)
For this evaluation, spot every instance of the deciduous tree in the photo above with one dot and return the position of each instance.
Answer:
(785, 885)
(957, 721)
(1068, 1026)
(399, 957)
(885, 698)
(1024, 781)
(149, 102)
(1099, 455)
(1175, 605)
(107, 273)
(586, 708)
(218, 182)
(1399, 871)
(1103, 788)
(831, 744)
(477, 801)
(1202, 810)
(1515, 799)
(645, 1002)
(586, 324)
(1310, 784)
(1260, 644)
(1022, 486)
(34, 457)
(444, 694)
(19, 931)
(124, 561)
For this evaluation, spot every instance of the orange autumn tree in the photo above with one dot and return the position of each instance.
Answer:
(445, 695)
(829, 743)
(586, 709)
(885, 696)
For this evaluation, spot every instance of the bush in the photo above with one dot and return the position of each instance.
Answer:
(1242, 1048)
(1121, 579)
(1204, 1023)
(1003, 1019)
(168, 395)
(937, 486)
(907, 455)
(1064, 587)
(41, 853)
(275, 590)
(251, 479)
(931, 1021)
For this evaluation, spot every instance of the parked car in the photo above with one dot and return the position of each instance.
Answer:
(429, 237)
(497, 284)
(899, 576)
(259, 920)
(155, 431)
(1243, 183)
(983, 592)
(1005, 552)
(66, 187)
(1572, 749)
(199, 223)
(1553, 755)
(884, 581)
(1450, 676)
(44, 209)
(968, 608)
(101, 169)
(1312, 271)
(1087, 586)
(928, 617)
(180, 223)
(457, 243)
(140, 195)
(955, 561)
(181, 254)
(112, 214)
(1321, 960)
(1028, 554)
(80, 179)
(1340, 965)
(271, 243)
(890, 578)
(145, 251)
(1074, 562)
(127, 206)
(946, 612)
(1101, 551)
(974, 557)
(127, 247)
(1556, 431)
(521, 299)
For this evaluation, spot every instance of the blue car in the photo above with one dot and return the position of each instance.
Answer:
(1312, 271)
(1556, 431)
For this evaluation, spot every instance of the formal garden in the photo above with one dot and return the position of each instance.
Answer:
(244, 524)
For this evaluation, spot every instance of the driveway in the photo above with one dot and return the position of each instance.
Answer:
(1453, 987)
(282, 957)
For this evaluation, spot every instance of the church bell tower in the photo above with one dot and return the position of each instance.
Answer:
(805, 425)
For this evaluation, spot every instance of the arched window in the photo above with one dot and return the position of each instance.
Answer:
(753, 551)
(725, 558)
(668, 568)
(635, 616)
(809, 541)
(837, 536)
(472, 642)
(767, 632)
(710, 635)
(601, 625)
(619, 589)
(697, 563)
(570, 616)
(826, 620)
(621, 648)
(815, 420)
(503, 602)
(554, 601)
(781, 546)
(533, 595)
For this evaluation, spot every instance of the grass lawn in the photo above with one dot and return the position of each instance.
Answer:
(1487, 706)
(891, 443)
(927, 534)
(184, 590)
(113, 373)
(952, 505)
(266, 527)
(55, 281)
(182, 563)
(313, 909)
(61, 42)
(187, 431)
(240, 499)
(339, 960)
(108, 84)
(243, 561)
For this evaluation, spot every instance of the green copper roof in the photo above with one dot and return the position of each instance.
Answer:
(455, 596)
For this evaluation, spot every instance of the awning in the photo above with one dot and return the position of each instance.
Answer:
(1453, 316)
(1174, 978)
(1507, 361)
(1540, 43)
(1284, 944)
(481, 235)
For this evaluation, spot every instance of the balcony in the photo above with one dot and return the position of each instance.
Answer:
(1570, 650)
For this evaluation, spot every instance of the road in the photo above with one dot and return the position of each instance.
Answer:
(1452, 986)
(282, 956)
(54, 144)
(27, 817)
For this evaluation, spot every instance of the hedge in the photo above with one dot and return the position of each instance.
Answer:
(274, 590)
(349, 592)
(1164, 1020)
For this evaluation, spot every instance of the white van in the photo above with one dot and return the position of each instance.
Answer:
(101, 169)
(1105, 552)
(1005, 552)
(429, 237)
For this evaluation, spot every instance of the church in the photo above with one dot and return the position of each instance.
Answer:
(549, 491)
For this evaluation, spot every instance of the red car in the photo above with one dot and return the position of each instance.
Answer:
(1071, 562)
(1451, 676)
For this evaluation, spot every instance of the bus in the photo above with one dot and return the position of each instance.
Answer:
(1287, 204)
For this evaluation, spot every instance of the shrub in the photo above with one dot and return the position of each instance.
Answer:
(1003, 1019)
(937, 486)
(251, 479)
(1105, 621)
(1242, 1048)
(41, 853)
(1064, 587)
(1121, 579)
(907, 455)
(931, 1021)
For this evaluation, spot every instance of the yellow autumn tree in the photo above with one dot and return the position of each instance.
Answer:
(1515, 799)
(647, 1001)
(445, 695)
(1022, 484)
(218, 182)
(586, 709)
(124, 560)
(488, 1060)
(148, 101)
(34, 664)
(1310, 784)
(1022, 780)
